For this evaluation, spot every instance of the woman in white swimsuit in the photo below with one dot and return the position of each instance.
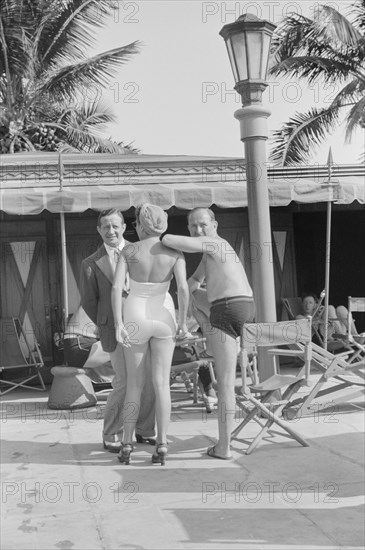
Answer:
(147, 320)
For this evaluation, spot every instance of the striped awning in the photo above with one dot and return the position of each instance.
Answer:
(33, 200)
(183, 182)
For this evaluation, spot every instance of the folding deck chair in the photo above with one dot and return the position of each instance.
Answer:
(16, 353)
(339, 369)
(293, 307)
(256, 400)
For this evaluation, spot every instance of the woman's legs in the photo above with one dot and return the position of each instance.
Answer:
(333, 324)
(136, 373)
(225, 360)
(161, 357)
(338, 321)
(343, 317)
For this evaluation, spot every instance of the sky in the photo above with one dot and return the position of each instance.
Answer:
(176, 96)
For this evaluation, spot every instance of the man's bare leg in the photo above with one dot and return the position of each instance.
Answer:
(225, 360)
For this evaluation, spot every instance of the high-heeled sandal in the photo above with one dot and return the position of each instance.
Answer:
(125, 453)
(159, 456)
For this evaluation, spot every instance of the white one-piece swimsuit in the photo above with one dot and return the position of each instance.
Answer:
(149, 312)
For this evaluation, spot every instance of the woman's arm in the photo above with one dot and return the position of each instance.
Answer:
(121, 270)
(208, 245)
(182, 293)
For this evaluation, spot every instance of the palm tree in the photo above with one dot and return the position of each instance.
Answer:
(328, 49)
(45, 75)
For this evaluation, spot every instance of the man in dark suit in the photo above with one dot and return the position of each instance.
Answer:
(97, 272)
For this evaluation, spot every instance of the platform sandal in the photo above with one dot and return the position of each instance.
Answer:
(125, 453)
(159, 456)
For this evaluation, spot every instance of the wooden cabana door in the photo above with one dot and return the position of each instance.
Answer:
(25, 286)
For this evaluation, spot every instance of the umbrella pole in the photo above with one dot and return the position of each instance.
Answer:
(64, 268)
(328, 248)
(327, 272)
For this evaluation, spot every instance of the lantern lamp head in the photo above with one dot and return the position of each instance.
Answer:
(248, 44)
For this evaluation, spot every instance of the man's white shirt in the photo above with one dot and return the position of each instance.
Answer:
(111, 253)
(114, 260)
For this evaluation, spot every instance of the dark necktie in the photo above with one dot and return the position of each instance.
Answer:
(116, 255)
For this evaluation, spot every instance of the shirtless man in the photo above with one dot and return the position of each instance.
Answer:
(231, 305)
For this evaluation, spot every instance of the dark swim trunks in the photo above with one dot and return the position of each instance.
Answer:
(230, 314)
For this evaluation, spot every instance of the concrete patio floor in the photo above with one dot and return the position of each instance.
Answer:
(61, 490)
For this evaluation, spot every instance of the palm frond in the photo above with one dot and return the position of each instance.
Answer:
(95, 114)
(65, 147)
(328, 48)
(129, 148)
(330, 26)
(358, 9)
(67, 31)
(288, 38)
(328, 35)
(41, 43)
(312, 68)
(90, 116)
(355, 119)
(13, 59)
(95, 71)
(84, 141)
(351, 93)
(294, 142)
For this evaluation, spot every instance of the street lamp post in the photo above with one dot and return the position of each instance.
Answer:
(248, 44)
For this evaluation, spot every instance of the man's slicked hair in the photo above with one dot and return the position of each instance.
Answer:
(310, 295)
(110, 212)
(207, 210)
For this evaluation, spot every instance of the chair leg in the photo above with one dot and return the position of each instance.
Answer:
(329, 373)
(265, 427)
(41, 380)
(195, 385)
(284, 425)
(253, 413)
(250, 415)
(304, 407)
(22, 384)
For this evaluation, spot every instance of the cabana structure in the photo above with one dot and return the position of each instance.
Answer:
(49, 206)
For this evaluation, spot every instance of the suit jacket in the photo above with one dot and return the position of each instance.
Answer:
(95, 288)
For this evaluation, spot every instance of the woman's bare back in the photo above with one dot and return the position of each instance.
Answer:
(150, 261)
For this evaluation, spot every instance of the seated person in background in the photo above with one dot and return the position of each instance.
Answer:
(80, 334)
(337, 317)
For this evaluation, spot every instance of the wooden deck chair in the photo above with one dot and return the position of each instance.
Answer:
(293, 307)
(338, 372)
(256, 400)
(16, 353)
